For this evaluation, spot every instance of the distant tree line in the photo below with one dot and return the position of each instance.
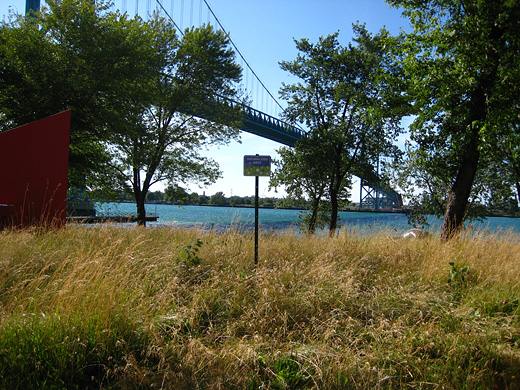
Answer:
(179, 196)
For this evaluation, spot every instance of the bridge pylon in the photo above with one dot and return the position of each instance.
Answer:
(376, 196)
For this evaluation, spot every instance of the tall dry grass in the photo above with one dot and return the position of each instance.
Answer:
(110, 307)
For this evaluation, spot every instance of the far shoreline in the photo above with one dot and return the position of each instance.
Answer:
(270, 207)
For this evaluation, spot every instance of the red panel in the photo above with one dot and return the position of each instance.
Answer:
(33, 172)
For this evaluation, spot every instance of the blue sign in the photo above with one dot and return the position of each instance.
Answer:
(257, 165)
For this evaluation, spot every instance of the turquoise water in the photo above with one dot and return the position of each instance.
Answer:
(224, 217)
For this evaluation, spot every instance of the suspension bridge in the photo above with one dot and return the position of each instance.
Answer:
(186, 13)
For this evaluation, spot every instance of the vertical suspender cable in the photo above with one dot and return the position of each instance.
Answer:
(200, 13)
(191, 13)
(182, 14)
(252, 85)
(246, 73)
(170, 17)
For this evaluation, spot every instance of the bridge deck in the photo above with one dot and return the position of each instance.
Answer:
(264, 125)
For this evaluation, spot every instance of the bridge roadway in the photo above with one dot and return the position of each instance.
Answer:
(267, 126)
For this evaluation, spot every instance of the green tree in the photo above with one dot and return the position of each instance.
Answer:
(176, 194)
(161, 141)
(301, 172)
(462, 62)
(347, 98)
(195, 198)
(291, 202)
(508, 166)
(235, 201)
(155, 196)
(74, 55)
(218, 199)
(204, 199)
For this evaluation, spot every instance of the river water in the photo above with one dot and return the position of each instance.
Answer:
(281, 219)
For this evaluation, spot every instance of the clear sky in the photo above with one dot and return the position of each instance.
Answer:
(264, 32)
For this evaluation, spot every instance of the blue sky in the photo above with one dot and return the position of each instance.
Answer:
(264, 32)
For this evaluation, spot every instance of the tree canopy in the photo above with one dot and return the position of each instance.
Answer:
(161, 140)
(462, 61)
(143, 99)
(348, 99)
(74, 55)
(300, 170)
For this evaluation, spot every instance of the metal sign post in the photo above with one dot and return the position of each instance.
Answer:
(256, 220)
(257, 166)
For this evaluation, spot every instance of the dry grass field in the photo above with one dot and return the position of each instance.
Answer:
(131, 308)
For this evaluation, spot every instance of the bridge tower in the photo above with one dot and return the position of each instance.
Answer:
(32, 5)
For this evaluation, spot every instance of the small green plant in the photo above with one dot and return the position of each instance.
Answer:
(189, 254)
(458, 275)
(289, 374)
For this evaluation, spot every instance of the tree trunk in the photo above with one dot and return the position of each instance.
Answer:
(140, 196)
(141, 211)
(516, 174)
(517, 185)
(334, 210)
(314, 217)
(459, 194)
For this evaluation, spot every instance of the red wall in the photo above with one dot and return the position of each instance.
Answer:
(33, 172)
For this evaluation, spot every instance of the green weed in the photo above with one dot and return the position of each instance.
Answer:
(458, 275)
(189, 254)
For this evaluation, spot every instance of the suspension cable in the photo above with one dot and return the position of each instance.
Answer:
(169, 17)
(233, 43)
(240, 54)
